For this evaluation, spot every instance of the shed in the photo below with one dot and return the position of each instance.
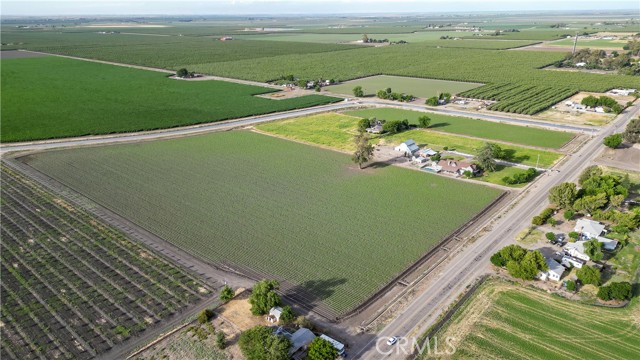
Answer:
(274, 314)
(408, 147)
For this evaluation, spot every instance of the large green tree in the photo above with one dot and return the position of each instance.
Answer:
(487, 155)
(424, 121)
(364, 150)
(321, 349)
(613, 141)
(260, 343)
(563, 195)
(358, 92)
(615, 291)
(588, 204)
(264, 297)
(588, 173)
(589, 275)
(527, 269)
(593, 248)
(632, 132)
(226, 293)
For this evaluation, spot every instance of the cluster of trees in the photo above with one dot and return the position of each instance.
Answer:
(260, 343)
(613, 141)
(615, 291)
(600, 195)
(185, 74)
(521, 177)
(264, 297)
(388, 94)
(606, 102)
(366, 39)
(544, 217)
(443, 98)
(631, 133)
(519, 262)
(598, 59)
(395, 126)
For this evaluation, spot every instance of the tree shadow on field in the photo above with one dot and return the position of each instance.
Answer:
(438, 125)
(377, 165)
(510, 155)
(311, 294)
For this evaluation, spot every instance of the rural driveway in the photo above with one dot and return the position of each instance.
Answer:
(473, 261)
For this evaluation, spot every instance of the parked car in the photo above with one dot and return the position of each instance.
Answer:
(392, 340)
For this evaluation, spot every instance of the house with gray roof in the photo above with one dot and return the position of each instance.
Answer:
(408, 147)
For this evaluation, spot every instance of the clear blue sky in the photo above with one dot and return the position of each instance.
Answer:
(283, 7)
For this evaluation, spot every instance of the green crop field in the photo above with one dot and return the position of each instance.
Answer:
(474, 127)
(283, 209)
(508, 321)
(415, 86)
(167, 52)
(51, 97)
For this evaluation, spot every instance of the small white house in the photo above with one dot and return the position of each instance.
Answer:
(568, 103)
(570, 261)
(581, 64)
(576, 250)
(419, 160)
(599, 109)
(588, 228)
(408, 147)
(274, 314)
(554, 273)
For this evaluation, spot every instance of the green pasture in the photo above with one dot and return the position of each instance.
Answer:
(508, 321)
(473, 127)
(53, 97)
(286, 210)
(418, 87)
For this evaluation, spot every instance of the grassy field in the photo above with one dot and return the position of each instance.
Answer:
(594, 44)
(473, 127)
(281, 208)
(502, 171)
(415, 86)
(52, 97)
(337, 130)
(506, 321)
(331, 130)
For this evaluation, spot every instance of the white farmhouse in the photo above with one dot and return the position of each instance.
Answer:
(576, 250)
(570, 261)
(554, 273)
(589, 229)
(274, 314)
(408, 147)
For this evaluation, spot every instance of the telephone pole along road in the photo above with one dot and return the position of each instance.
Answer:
(473, 260)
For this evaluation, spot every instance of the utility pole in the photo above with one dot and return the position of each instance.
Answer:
(538, 161)
(575, 42)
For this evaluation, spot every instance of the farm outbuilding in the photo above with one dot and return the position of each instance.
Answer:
(300, 340)
(408, 147)
(274, 314)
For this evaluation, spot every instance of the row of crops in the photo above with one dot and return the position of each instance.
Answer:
(520, 98)
(73, 288)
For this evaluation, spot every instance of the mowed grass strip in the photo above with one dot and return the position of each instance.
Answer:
(415, 86)
(474, 127)
(53, 97)
(298, 212)
(509, 321)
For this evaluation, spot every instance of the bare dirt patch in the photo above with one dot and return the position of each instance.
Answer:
(566, 114)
